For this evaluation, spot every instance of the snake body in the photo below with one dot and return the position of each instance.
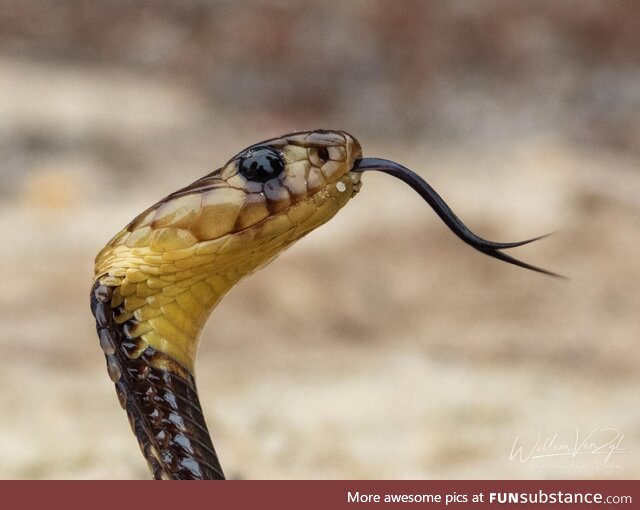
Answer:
(158, 280)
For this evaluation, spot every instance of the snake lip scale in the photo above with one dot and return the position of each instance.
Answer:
(158, 280)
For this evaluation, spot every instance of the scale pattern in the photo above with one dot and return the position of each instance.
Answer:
(160, 398)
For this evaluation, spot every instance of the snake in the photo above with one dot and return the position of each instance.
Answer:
(158, 280)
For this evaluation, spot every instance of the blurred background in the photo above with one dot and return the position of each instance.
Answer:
(380, 346)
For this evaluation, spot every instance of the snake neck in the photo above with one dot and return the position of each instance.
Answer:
(159, 395)
(150, 308)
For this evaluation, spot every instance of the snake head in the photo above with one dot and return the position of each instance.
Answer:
(208, 235)
(303, 177)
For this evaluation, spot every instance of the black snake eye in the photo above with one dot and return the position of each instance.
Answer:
(261, 165)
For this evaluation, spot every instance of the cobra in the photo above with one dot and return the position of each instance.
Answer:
(158, 280)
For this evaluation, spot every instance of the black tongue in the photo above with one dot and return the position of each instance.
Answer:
(430, 195)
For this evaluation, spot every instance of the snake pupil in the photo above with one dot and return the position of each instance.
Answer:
(261, 165)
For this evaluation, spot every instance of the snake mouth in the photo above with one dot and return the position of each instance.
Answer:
(424, 189)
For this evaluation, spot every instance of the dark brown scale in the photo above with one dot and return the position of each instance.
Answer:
(101, 294)
(107, 342)
(160, 398)
(130, 348)
(122, 396)
(129, 328)
(101, 318)
(113, 367)
(154, 466)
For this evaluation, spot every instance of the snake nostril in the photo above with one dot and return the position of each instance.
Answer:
(318, 156)
(323, 154)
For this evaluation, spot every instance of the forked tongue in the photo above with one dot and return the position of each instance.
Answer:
(430, 195)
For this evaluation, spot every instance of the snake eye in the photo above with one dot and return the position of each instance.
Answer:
(261, 165)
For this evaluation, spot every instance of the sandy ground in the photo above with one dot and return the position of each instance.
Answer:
(378, 347)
